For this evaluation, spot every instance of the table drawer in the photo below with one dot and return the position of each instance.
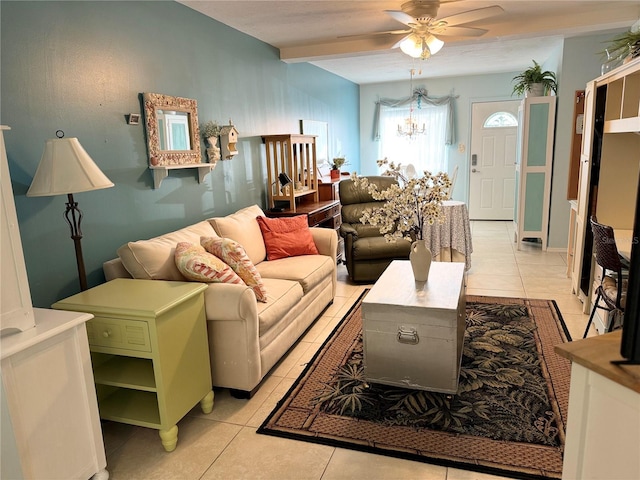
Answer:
(125, 334)
(323, 215)
(334, 222)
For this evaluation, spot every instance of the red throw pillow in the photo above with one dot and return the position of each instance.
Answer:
(287, 237)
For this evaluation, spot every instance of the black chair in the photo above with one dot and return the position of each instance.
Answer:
(612, 291)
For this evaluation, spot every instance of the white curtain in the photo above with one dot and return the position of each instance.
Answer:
(425, 151)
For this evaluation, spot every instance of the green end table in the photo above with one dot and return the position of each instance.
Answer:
(149, 351)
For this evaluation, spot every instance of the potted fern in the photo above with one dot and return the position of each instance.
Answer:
(534, 82)
(625, 46)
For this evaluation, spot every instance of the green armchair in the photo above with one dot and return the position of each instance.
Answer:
(367, 252)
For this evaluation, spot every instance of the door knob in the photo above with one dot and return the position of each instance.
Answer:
(473, 170)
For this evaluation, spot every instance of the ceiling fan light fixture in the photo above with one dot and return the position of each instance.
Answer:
(412, 46)
(421, 46)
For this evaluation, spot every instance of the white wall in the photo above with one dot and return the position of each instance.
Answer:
(576, 61)
(468, 89)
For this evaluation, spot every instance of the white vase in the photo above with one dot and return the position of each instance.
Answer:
(420, 258)
(535, 90)
(611, 63)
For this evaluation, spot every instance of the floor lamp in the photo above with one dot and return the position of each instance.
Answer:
(66, 168)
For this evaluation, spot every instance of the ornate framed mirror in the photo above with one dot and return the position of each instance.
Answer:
(173, 135)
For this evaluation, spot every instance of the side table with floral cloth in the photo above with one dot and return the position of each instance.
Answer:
(451, 238)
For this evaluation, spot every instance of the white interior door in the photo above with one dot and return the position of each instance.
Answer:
(493, 155)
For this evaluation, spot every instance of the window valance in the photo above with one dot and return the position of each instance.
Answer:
(420, 97)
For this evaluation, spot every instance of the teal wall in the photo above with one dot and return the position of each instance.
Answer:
(81, 67)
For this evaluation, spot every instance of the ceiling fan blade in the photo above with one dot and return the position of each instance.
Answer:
(459, 32)
(401, 17)
(397, 44)
(366, 35)
(472, 15)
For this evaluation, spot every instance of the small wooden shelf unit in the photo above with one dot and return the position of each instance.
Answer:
(295, 155)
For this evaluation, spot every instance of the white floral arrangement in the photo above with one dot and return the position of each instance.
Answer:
(338, 162)
(408, 204)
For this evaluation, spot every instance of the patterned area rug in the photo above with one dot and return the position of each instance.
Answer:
(508, 417)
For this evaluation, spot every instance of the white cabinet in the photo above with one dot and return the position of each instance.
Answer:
(534, 164)
(603, 427)
(47, 383)
(16, 310)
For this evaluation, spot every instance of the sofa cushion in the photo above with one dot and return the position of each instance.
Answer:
(242, 227)
(153, 259)
(232, 253)
(307, 270)
(287, 237)
(283, 296)
(198, 265)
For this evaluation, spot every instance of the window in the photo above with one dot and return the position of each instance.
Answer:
(425, 151)
(500, 120)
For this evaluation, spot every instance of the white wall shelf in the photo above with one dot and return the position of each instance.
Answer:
(161, 172)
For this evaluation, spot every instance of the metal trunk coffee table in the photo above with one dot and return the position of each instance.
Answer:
(413, 332)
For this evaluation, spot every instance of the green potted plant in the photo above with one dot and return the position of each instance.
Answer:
(625, 45)
(534, 82)
(336, 164)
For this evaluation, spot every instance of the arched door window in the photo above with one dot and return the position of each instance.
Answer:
(500, 120)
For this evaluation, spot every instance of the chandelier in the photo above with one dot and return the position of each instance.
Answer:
(410, 127)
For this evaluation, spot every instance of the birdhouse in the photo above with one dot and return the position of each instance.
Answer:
(228, 141)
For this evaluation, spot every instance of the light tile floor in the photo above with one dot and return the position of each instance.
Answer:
(224, 444)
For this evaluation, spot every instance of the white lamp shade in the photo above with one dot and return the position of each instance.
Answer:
(65, 167)
(412, 46)
(435, 44)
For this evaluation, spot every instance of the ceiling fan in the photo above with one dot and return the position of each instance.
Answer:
(421, 39)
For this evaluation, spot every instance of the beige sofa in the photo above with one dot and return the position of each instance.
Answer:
(246, 337)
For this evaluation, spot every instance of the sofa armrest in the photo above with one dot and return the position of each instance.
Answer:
(326, 240)
(233, 331)
(114, 268)
(230, 301)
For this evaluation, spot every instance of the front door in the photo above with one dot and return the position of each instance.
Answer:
(493, 156)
